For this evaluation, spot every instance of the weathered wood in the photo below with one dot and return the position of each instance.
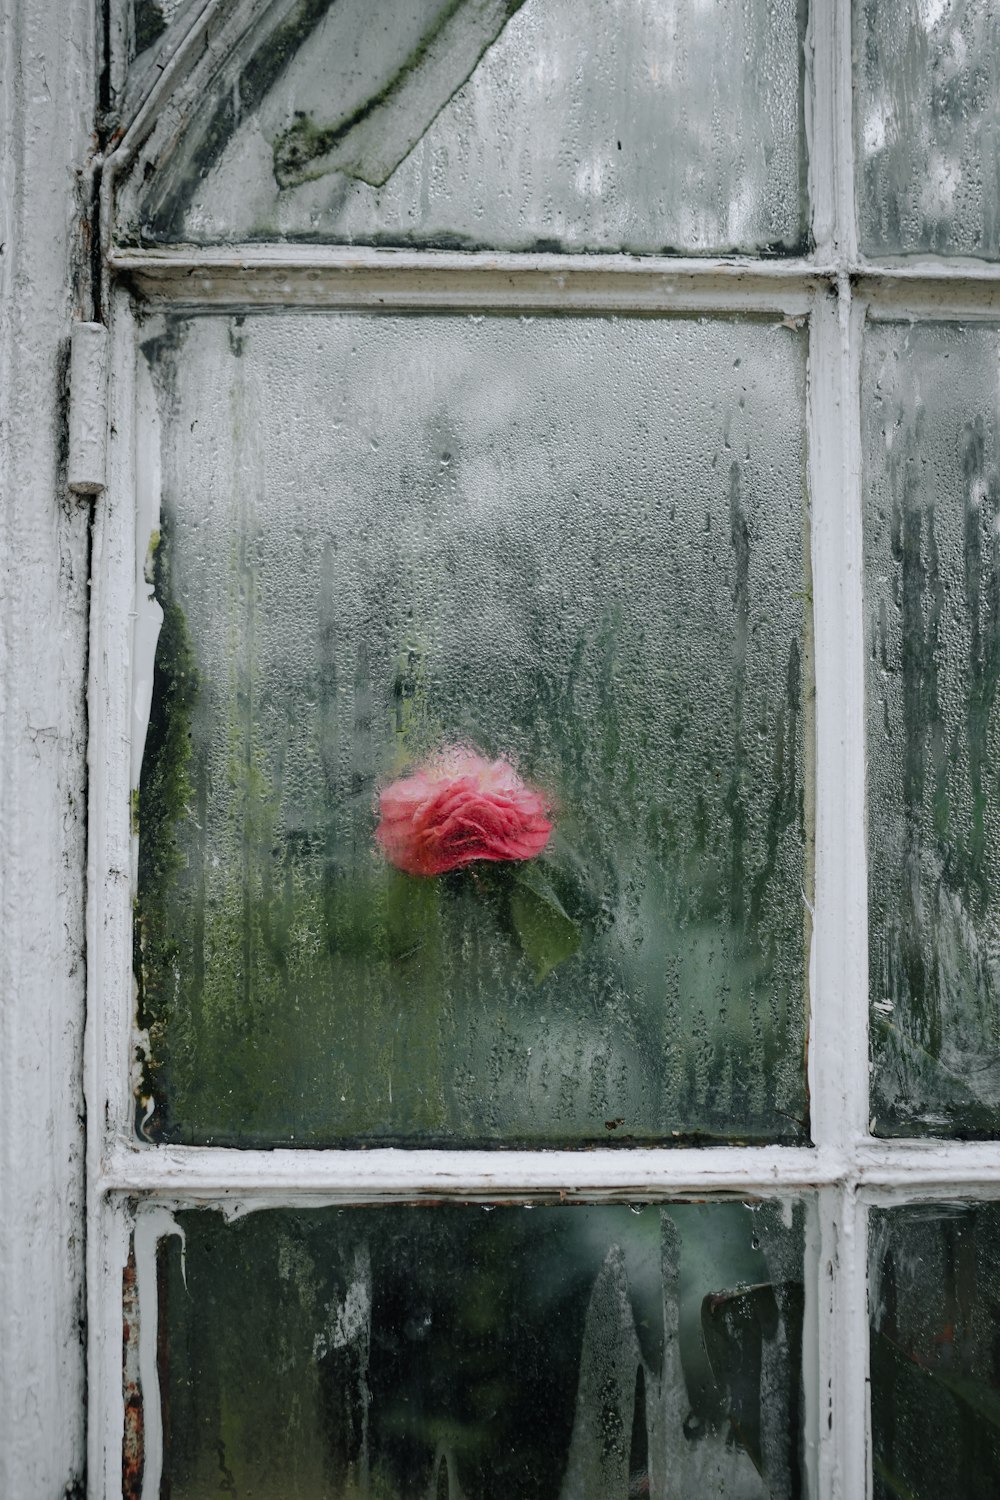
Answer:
(49, 82)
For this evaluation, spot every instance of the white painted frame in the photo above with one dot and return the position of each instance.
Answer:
(846, 1169)
(47, 101)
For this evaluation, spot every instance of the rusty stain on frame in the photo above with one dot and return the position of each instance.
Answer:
(133, 1446)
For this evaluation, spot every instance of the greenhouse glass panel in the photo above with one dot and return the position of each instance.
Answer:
(935, 1350)
(510, 124)
(400, 1353)
(928, 127)
(476, 802)
(932, 582)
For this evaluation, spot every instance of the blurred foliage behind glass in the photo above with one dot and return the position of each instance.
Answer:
(400, 1353)
(935, 1352)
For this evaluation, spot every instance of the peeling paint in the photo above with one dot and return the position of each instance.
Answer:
(46, 125)
(151, 1227)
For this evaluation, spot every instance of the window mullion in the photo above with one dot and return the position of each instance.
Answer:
(898, 1171)
(220, 1174)
(337, 276)
(109, 1038)
(844, 1216)
(842, 144)
(821, 86)
(114, 738)
(838, 1053)
(835, 1371)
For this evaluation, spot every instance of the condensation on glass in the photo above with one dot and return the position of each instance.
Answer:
(575, 543)
(400, 1353)
(935, 1351)
(927, 125)
(931, 432)
(514, 124)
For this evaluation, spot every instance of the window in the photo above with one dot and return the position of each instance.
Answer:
(537, 401)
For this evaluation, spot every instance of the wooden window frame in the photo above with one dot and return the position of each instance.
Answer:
(133, 1188)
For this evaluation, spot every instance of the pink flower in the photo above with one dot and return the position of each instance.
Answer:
(458, 808)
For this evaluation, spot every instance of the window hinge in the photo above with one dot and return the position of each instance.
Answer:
(88, 408)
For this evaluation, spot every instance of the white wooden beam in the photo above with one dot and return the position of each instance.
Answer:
(46, 123)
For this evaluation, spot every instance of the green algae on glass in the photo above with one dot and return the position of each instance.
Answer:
(578, 542)
(395, 1353)
(932, 584)
(160, 804)
(378, 133)
(239, 88)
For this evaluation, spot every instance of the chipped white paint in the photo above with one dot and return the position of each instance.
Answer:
(115, 565)
(46, 121)
(155, 104)
(241, 1182)
(316, 259)
(110, 1229)
(131, 81)
(838, 977)
(356, 276)
(151, 1227)
(88, 408)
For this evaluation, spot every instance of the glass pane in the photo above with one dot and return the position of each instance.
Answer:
(928, 126)
(932, 548)
(591, 1353)
(407, 556)
(517, 124)
(935, 1351)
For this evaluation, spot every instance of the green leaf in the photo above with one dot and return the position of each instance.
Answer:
(966, 1407)
(412, 916)
(893, 1484)
(586, 891)
(546, 933)
(977, 1403)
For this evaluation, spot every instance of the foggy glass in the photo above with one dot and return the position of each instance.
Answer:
(515, 124)
(935, 1350)
(576, 544)
(927, 127)
(932, 586)
(400, 1353)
